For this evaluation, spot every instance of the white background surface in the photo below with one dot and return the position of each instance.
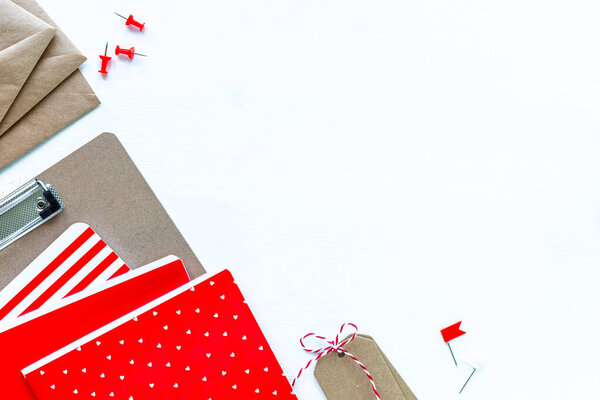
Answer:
(399, 164)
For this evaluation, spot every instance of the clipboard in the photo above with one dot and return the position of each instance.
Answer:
(100, 185)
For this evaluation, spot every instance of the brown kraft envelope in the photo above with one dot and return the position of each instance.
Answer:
(101, 186)
(69, 101)
(23, 40)
(342, 379)
(58, 61)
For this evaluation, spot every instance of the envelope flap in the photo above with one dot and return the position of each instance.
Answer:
(61, 44)
(16, 24)
(47, 75)
(17, 62)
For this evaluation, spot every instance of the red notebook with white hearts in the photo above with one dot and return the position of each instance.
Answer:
(41, 332)
(200, 341)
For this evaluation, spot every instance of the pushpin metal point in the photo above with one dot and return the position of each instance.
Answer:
(128, 52)
(131, 21)
(105, 59)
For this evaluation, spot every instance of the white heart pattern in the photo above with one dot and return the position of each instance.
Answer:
(235, 350)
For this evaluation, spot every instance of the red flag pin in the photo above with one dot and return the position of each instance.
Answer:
(131, 21)
(451, 333)
(127, 52)
(105, 59)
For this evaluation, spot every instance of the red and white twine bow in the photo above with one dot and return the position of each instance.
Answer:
(331, 346)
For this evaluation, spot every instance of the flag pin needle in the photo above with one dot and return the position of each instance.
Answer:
(451, 333)
(452, 353)
(468, 379)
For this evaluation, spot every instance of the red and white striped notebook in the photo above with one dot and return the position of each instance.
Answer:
(44, 331)
(200, 341)
(77, 260)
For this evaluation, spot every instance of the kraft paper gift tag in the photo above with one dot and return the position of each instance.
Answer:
(23, 40)
(341, 378)
(60, 59)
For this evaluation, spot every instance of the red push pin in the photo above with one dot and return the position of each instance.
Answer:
(128, 52)
(105, 59)
(131, 21)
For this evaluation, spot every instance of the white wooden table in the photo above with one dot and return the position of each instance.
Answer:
(399, 164)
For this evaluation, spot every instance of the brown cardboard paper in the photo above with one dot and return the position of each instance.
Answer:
(70, 100)
(101, 186)
(23, 39)
(408, 393)
(343, 379)
(59, 60)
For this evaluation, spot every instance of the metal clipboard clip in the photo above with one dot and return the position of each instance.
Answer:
(27, 208)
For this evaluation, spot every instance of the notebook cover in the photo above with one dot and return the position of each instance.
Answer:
(77, 259)
(199, 342)
(40, 333)
(101, 186)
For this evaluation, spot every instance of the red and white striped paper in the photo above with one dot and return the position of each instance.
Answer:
(77, 260)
